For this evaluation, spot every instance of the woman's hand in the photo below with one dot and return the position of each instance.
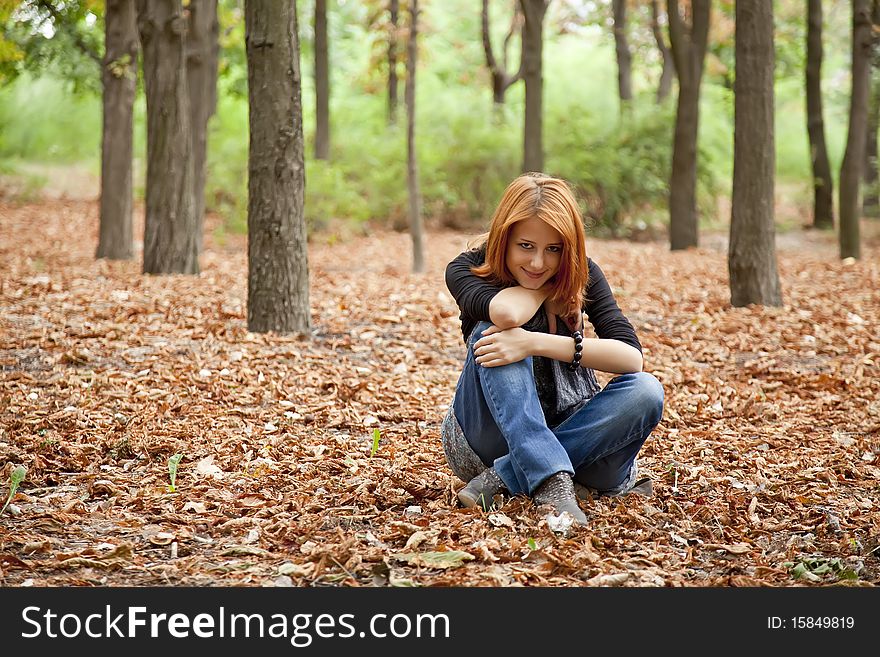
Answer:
(502, 346)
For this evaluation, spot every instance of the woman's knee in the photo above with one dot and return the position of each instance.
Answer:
(651, 394)
(477, 333)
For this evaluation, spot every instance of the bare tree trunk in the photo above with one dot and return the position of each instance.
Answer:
(501, 78)
(201, 75)
(752, 251)
(851, 169)
(392, 63)
(870, 198)
(412, 168)
(664, 87)
(532, 67)
(823, 185)
(278, 271)
(170, 243)
(688, 51)
(322, 83)
(621, 47)
(119, 76)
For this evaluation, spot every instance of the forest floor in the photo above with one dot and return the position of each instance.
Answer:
(766, 463)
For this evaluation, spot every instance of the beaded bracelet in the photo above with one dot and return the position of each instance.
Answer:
(578, 348)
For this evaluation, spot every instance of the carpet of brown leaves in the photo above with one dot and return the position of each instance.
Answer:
(766, 463)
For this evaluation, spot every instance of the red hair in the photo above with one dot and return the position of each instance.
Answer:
(552, 201)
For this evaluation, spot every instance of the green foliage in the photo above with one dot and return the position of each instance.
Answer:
(41, 120)
(173, 462)
(65, 38)
(375, 447)
(814, 569)
(467, 152)
(15, 479)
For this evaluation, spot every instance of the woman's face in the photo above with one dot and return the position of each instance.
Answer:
(534, 251)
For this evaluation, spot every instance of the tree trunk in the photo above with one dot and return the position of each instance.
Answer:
(392, 63)
(752, 251)
(119, 76)
(201, 76)
(851, 169)
(664, 87)
(870, 198)
(532, 67)
(688, 52)
(322, 83)
(624, 58)
(412, 168)
(278, 272)
(170, 243)
(501, 78)
(823, 185)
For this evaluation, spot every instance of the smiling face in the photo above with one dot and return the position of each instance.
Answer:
(534, 252)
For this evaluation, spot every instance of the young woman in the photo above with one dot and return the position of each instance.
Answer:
(528, 416)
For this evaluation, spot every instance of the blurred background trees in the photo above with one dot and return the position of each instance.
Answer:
(469, 144)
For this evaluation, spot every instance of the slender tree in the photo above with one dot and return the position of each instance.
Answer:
(202, 50)
(322, 83)
(412, 169)
(278, 272)
(119, 75)
(621, 49)
(823, 185)
(533, 75)
(854, 155)
(870, 198)
(688, 52)
(170, 237)
(394, 10)
(871, 195)
(664, 87)
(502, 78)
(752, 249)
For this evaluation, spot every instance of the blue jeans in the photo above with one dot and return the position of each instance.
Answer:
(500, 414)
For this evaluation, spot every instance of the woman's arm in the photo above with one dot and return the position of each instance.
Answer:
(514, 306)
(502, 347)
(605, 355)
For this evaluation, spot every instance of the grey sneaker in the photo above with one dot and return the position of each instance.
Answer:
(557, 492)
(481, 490)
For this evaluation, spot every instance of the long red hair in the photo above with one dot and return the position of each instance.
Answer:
(552, 201)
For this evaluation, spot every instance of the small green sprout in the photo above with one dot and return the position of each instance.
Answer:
(15, 479)
(375, 442)
(173, 462)
(532, 545)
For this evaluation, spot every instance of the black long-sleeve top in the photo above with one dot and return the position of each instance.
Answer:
(473, 295)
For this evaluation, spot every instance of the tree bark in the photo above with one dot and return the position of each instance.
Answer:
(278, 272)
(170, 242)
(688, 52)
(823, 184)
(412, 168)
(322, 83)
(119, 77)
(201, 75)
(532, 67)
(394, 9)
(752, 248)
(501, 78)
(851, 169)
(621, 48)
(870, 198)
(664, 87)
